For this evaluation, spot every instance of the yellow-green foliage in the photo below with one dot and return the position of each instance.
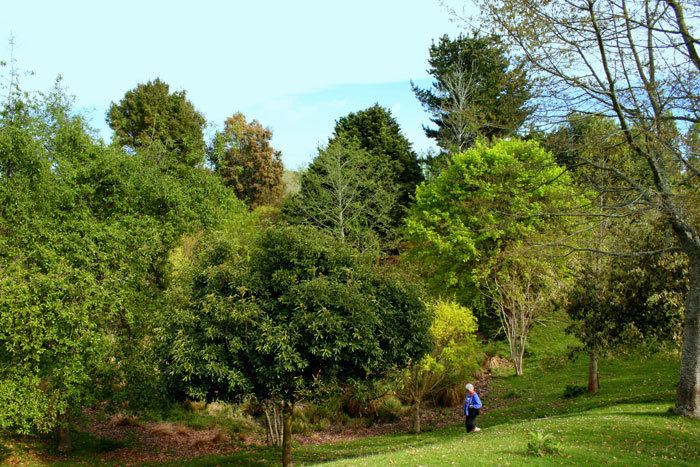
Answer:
(455, 357)
(456, 348)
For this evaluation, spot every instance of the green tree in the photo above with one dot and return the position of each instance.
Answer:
(150, 113)
(378, 133)
(85, 231)
(284, 320)
(477, 91)
(454, 359)
(614, 58)
(490, 200)
(245, 160)
(626, 300)
(338, 194)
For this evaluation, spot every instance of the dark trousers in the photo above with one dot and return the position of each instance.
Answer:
(470, 421)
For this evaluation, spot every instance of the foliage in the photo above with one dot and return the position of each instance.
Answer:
(311, 310)
(489, 198)
(621, 301)
(477, 91)
(245, 160)
(85, 232)
(294, 315)
(636, 62)
(455, 358)
(523, 287)
(542, 444)
(572, 390)
(337, 194)
(150, 113)
(378, 133)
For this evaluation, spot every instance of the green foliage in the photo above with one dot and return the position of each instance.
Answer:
(378, 133)
(150, 113)
(542, 444)
(572, 390)
(620, 302)
(488, 199)
(477, 91)
(245, 160)
(313, 313)
(84, 235)
(348, 192)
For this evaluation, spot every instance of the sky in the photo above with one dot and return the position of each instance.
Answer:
(295, 66)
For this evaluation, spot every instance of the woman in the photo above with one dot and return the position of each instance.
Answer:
(472, 404)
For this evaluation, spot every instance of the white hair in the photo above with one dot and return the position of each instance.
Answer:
(469, 387)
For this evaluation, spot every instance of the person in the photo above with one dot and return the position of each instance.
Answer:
(472, 405)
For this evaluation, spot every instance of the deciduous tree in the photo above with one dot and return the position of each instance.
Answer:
(635, 61)
(244, 158)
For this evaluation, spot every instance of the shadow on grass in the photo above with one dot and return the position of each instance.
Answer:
(567, 407)
(314, 454)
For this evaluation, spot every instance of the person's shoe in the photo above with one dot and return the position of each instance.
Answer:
(477, 429)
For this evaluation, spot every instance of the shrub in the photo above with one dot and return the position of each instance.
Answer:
(542, 444)
(390, 409)
(571, 391)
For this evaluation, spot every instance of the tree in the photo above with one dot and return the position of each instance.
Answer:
(477, 91)
(85, 232)
(338, 194)
(288, 318)
(489, 202)
(245, 160)
(621, 301)
(150, 113)
(635, 61)
(378, 133)
(523, 286)
(454, 358)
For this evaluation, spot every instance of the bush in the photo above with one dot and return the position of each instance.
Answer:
(390, 409)
(542, 444)
(571, 391)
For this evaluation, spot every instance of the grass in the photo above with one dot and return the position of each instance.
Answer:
(628, 423)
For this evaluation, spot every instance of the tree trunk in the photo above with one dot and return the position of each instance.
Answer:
(688, 394)
(416, 416)
(593, 385)
(63, 438)
(287, 434)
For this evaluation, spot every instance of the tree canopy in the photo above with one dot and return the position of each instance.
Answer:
(150, 113)
(478, 91)
(283, 320)
(378, 133)
(244, 158)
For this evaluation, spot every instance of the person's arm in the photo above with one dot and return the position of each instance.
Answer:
(466, 401)
(476, 402)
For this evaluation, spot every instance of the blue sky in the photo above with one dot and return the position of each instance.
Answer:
(296, 66)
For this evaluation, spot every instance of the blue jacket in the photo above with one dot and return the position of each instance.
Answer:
(471, 402)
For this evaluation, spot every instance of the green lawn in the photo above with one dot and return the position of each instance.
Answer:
(627, 423)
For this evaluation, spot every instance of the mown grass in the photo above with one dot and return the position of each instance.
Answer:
(628, 423)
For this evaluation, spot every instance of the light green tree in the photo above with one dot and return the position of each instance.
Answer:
(492, 200)
(454, 359)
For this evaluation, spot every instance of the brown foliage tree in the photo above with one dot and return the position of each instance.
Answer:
(244, 158)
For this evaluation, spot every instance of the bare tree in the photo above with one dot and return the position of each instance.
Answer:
(637, 62)
(522, 288)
